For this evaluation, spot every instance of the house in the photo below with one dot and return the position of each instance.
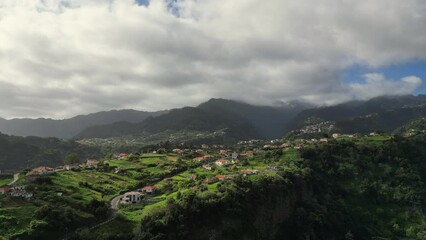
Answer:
(220, 177)
(202, 158)
(4, 189)
(249, 172)
(336, 135)
(284, 145)
(199, 151)
(177, 150)
(132, 198)
(43, 170)
(208, 157)
(120, 171)
(323, 140)
(120, 156)
(72, 167)
(198, 159)
(223, 177)
(235, 155)
(149, 189)
(223, 152)
(205, 146)
(207, 166)
(222, 162)
(19, 191)
(92, 163)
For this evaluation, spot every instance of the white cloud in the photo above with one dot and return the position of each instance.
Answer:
(376, 85)
(63, 57)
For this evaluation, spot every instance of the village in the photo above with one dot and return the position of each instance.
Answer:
(130, 185)
(222, 164)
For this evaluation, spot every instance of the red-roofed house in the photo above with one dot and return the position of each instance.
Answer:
(149, 189)
(223, 177)
(4, 189)
(220, 177)
(41, 170)
(222, 162)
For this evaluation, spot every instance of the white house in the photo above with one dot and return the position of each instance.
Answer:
(92, 163)
(132, 198)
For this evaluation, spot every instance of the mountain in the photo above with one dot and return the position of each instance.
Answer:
(187, 118)
(241, 121)
(271, 122)
(385, 113)
(24, 152)
(68, 128)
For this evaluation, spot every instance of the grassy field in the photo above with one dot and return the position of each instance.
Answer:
(5, 181)
(98, 185)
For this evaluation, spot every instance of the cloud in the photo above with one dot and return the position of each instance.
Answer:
(376, 85)
(59, 58)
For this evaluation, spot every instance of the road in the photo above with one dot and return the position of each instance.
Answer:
(15, 178)
(115, 201)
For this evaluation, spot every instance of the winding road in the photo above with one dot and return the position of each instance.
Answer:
(15, 178)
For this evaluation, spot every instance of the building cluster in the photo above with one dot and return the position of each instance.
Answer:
(135, 197)
(15, 191)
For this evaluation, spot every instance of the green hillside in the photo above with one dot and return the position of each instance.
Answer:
(348, 188)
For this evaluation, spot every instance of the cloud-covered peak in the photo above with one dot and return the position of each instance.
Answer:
(63, 57)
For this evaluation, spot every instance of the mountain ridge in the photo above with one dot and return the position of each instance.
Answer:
(68, 128)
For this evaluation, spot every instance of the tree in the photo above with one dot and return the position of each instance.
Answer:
(72, 158)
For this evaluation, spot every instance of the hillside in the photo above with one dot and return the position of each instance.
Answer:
(360, 188)
(17, 153)
(68, 128)
(413, 128)
(379, 114)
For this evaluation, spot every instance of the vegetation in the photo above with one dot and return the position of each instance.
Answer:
(341, 190)
(17, 153)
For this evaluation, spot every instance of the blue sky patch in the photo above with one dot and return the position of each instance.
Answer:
(143, 2)
(392, 72)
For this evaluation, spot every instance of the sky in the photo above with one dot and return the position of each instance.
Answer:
(60, 58)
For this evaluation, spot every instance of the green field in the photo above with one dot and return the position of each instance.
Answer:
(99, 185)
(5, 181)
